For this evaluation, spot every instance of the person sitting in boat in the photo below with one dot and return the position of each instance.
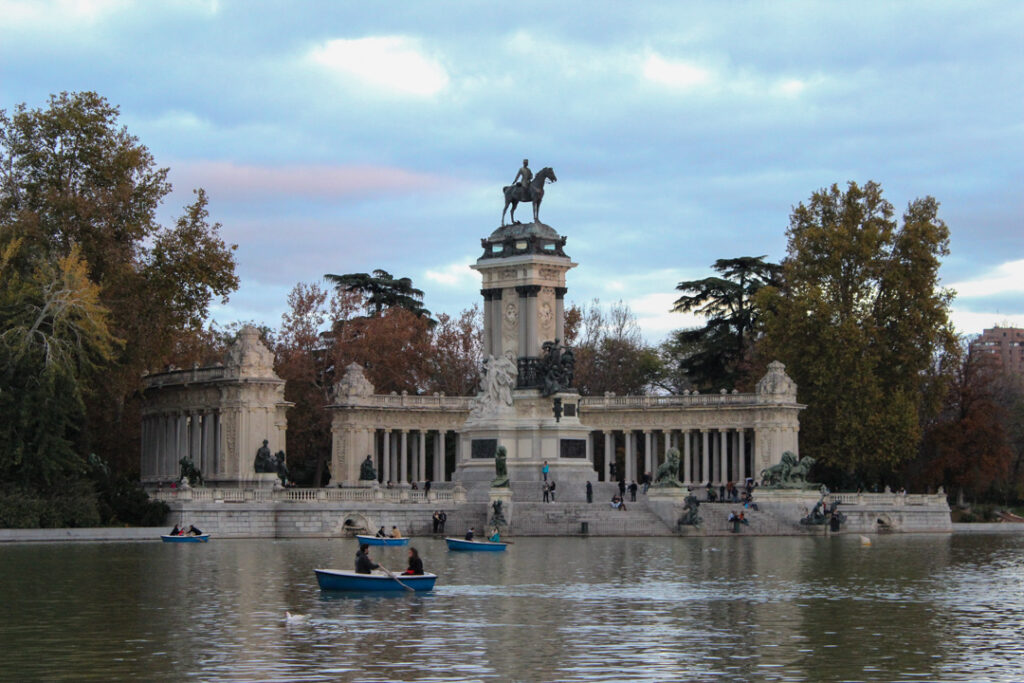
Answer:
(495, 536)
(364, 565)
(381, 533)
(193, 531)
(469, 534)
(176, 531)
(395, 533)
(415, 563)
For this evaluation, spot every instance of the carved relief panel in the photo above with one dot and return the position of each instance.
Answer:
(546, 315)
(510, 322)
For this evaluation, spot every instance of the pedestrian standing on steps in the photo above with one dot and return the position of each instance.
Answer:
(622, 489)
(547, 493)
(436, 519)
(632, 491)
(442, 518)
(544, 470)
(552, 491)
(590, 492)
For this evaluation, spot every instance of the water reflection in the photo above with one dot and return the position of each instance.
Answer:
(777, 609)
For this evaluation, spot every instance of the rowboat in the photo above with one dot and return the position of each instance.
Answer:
(463, 544)
(201, 538)
(377, 540)
(340, 580)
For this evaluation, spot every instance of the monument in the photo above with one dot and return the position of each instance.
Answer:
(528, 372)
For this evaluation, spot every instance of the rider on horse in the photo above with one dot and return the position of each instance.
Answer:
(523, 178)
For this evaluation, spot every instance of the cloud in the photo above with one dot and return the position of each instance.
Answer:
(1004, 278)
(969, 322)
(393, 63)
(675, 73)
(457, 274)
(225, 179)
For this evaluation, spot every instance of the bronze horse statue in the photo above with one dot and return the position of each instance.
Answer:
(514, 194)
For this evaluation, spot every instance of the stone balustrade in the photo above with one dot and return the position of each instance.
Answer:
(367, 494)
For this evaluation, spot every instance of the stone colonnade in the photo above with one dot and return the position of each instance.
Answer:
(706, 455)
(408, 455)
(216, 416)
(169, 437)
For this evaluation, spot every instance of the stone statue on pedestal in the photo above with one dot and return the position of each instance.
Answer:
(690, 516)
(367, 472)
(498, 515)
(500, 468)
(264, 460)
(668, 472)
(557, 366)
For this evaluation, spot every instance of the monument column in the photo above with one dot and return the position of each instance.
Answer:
(705, 471)
(723, 455)
(590, 447)
(403, 458)
(421, 469)
(687, 465)
(385, 465)
(648, 460)
(560, 312)
(743, 454)
(439, 456)
(609, 454)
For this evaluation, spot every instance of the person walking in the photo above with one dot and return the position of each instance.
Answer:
(544, 470)
(632, 491)
(647, 482)
(590, 492)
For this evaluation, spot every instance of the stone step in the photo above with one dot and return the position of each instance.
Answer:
(544, 519)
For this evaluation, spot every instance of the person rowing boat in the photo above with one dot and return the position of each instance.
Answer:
(364, 565)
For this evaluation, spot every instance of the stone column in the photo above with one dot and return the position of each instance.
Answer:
(723, 455)
(385, 464)
(521, 322)
(705, 470)
(488, 323)
(532, 345)
(218, 452)
(208, 433)
(609, 454)
(439, 456)
(648, 460)
(560, 312)
(195, 439)
(742, 433)
(421, 469)
(687, 465)
(590, 447)
(631, 456)
(403, 458)
(734, 439)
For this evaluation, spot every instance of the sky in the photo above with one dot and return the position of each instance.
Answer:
(337, 137)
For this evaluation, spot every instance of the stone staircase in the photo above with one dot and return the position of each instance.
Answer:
(761, 522)
(562, 518)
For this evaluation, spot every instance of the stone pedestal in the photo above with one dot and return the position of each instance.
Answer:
(504, 495)
(265, 480)
(531, 435)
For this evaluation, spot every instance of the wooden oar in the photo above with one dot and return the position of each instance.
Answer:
(393, 576)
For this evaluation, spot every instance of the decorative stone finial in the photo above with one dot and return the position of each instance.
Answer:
(353, 384)
(776, 386)
(248, 357)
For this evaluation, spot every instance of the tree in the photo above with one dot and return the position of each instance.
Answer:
(72, 179)
(611, 355)
(715, 356)
(968, 448)
(381, 291)
(858, 318)
(456, 353)
(55, 332)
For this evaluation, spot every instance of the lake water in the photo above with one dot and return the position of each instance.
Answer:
(775, 609)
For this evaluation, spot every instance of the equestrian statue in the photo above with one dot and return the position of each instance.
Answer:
(526, 187)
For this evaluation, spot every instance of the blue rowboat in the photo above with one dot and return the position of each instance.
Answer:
(340, 580)
(201, 538)
(463, 544)
(377, 540)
